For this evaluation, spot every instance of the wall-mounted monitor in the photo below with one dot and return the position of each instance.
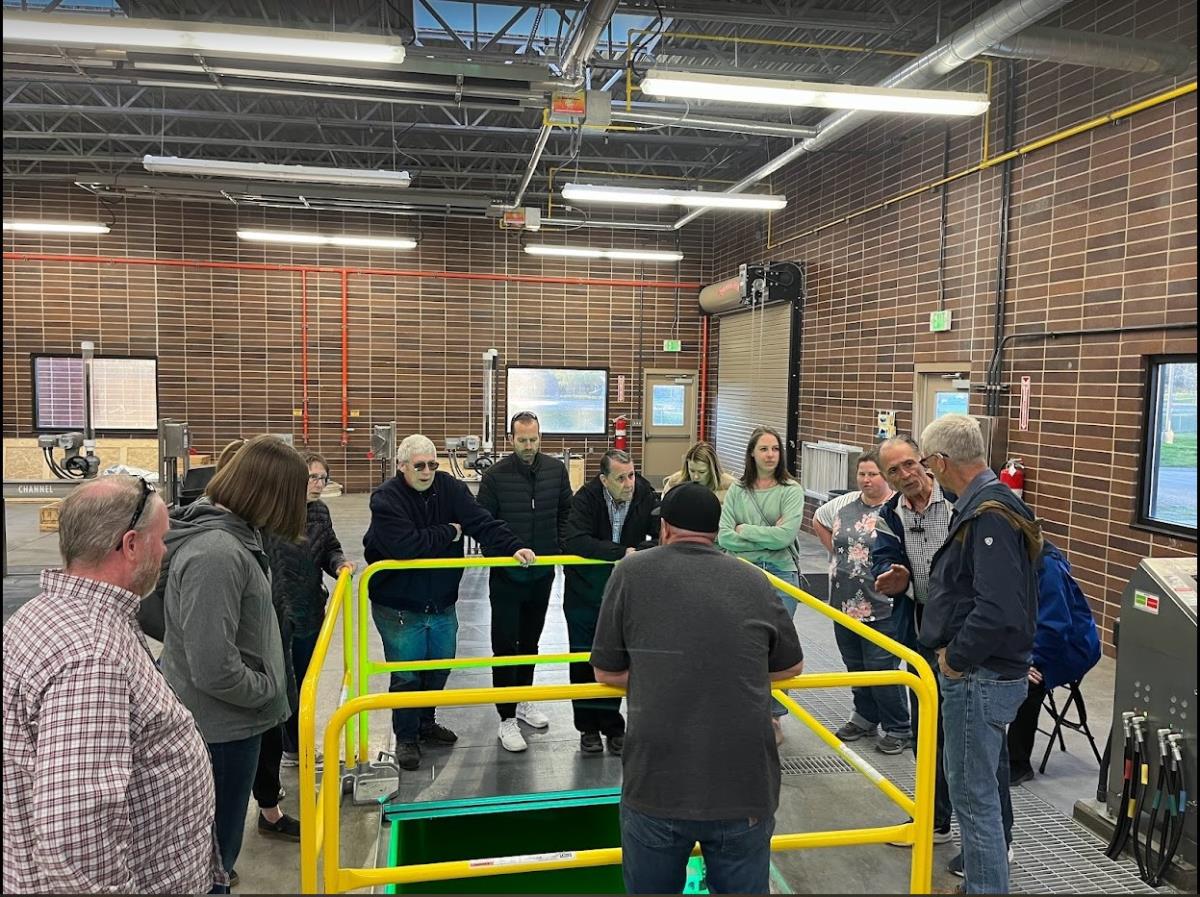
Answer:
(567, 401)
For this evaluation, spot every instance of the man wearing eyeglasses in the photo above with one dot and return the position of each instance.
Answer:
(97, 747)
(531, 492)
(423, 513)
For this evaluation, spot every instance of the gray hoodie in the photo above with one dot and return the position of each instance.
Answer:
(221, 647)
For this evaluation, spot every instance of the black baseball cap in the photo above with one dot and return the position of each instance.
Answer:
(691, 506)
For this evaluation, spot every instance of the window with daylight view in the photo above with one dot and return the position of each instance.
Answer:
(1167, 499)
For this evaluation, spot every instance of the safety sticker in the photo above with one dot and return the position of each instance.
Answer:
(1144, 601)
(526, 858)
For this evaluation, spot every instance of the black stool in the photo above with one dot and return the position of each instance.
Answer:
(1074, 696)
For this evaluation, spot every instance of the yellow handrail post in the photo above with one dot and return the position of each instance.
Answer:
(362, 686)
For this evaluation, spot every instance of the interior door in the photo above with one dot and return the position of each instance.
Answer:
(669, 423)
(937, 393)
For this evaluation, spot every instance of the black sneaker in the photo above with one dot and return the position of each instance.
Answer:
(616, 744)
(590, 743)
(1020, 778)
(438, 734)
(234, 880)
(408, 754)
(955, 866)
(286, 828)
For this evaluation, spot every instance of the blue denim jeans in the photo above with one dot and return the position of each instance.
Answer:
(409, 635)
(878, 705)
(234, 764)
(976, 710)
(789, 604)
(654, 853)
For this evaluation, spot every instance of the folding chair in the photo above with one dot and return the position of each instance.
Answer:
(1074, 696)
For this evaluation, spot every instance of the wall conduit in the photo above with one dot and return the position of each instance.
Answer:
(304, 356)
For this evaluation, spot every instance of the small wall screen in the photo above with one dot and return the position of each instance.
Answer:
(567, 401)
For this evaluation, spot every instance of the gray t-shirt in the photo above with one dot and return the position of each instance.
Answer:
(699, 631)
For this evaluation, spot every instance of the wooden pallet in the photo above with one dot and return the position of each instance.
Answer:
(48, 517)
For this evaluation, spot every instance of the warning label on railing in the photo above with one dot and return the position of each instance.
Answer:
(526, 858)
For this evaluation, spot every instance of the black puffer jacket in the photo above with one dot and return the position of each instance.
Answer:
(589, 535)
(297, 568)
(535, 501)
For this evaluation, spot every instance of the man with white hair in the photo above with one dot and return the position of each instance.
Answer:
(979, 620)
(97, 747)
(423, 513)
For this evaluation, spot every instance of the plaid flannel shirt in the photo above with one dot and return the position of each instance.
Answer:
(108, 785)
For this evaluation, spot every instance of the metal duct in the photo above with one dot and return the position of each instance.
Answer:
(710, 123)
(963, 45)
(1105, 51)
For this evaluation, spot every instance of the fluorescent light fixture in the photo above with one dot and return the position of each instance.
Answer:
(692, 199)
(208, 38)
(771, 92)
(55, 227)
(266, 171)
(644, 255)
(287, 236)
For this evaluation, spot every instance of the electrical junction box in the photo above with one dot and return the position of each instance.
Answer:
(527, 218)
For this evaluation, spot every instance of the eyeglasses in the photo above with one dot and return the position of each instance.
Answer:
(318, 477)
(147, 490)
(421, 465)
(925, 460)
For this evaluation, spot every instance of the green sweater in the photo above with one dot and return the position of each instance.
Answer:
(759, 542)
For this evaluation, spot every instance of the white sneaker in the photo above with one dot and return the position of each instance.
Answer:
(511, 738)
(777, 725)
(293, 759)
(531, 716)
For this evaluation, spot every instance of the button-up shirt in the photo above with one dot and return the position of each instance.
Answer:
(924, 533)
(108, 786)
(617, 512)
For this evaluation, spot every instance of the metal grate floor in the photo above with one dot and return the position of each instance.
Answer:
(1052, 854)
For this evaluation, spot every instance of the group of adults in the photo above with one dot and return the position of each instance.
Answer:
(100, 739)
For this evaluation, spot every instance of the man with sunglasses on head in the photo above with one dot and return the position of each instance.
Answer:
(423, 513)
(97, 747)
(531, 492)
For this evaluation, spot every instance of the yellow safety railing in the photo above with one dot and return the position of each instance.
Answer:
(918, 832)
(310, 821)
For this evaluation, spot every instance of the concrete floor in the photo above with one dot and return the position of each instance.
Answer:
(827, 800)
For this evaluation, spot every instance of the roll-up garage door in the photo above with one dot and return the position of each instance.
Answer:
(753, 374)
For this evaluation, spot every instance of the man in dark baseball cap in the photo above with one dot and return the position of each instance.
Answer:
(696, 637)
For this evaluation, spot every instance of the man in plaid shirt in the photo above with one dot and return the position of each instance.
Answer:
(99, 754)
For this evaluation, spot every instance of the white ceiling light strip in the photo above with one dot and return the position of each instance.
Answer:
(772, 92)
(691, 199)
(285, 236)
(55, 227)
(82, 30)
(582, 252)
(266, 171)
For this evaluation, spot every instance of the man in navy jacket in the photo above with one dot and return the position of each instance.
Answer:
(421, 513)
(979, 620)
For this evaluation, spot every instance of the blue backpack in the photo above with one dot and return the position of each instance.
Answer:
(1066, 644)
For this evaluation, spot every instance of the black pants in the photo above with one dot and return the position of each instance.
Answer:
(266, 777)
(518, 615)
(598, 714)
(1023, 730)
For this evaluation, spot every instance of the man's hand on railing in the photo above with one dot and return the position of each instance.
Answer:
(525, 556)
(347, 567)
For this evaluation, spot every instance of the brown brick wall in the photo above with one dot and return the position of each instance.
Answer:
(228, 341)
(1103, 234)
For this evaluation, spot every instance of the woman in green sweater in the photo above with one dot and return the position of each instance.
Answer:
(761, 518)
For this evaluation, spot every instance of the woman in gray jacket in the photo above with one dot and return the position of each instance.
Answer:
(222, 652)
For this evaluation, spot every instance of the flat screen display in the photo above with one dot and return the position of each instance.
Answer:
(567, 401)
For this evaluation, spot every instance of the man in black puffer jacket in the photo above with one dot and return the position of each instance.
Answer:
(531, 492)
(611, 517)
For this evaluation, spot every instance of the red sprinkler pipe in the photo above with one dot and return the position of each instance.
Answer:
(345, 356)
(304, 356)
(703, 372)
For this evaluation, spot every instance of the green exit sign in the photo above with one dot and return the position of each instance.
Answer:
(939, 321)
(672, 345)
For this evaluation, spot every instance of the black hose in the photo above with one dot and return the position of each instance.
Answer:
(1139, 796)
(1121, 832)
(1177, 807)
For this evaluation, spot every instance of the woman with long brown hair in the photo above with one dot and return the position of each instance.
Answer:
(701, 465)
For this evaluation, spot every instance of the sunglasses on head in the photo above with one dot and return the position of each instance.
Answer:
(147, 490)
(422, 465)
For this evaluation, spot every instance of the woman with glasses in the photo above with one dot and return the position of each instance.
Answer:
(761, 519)
(297, 578)
(700, 465)
(222, 650)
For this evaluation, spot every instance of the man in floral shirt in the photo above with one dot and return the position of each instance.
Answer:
(846, 527)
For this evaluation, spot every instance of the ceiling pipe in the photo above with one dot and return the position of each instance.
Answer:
(708, 123)
(591, 23)
(1105, 51)
(995, 25)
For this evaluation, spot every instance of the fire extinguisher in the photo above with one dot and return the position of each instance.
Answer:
(1013, 476)
(621, 434)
